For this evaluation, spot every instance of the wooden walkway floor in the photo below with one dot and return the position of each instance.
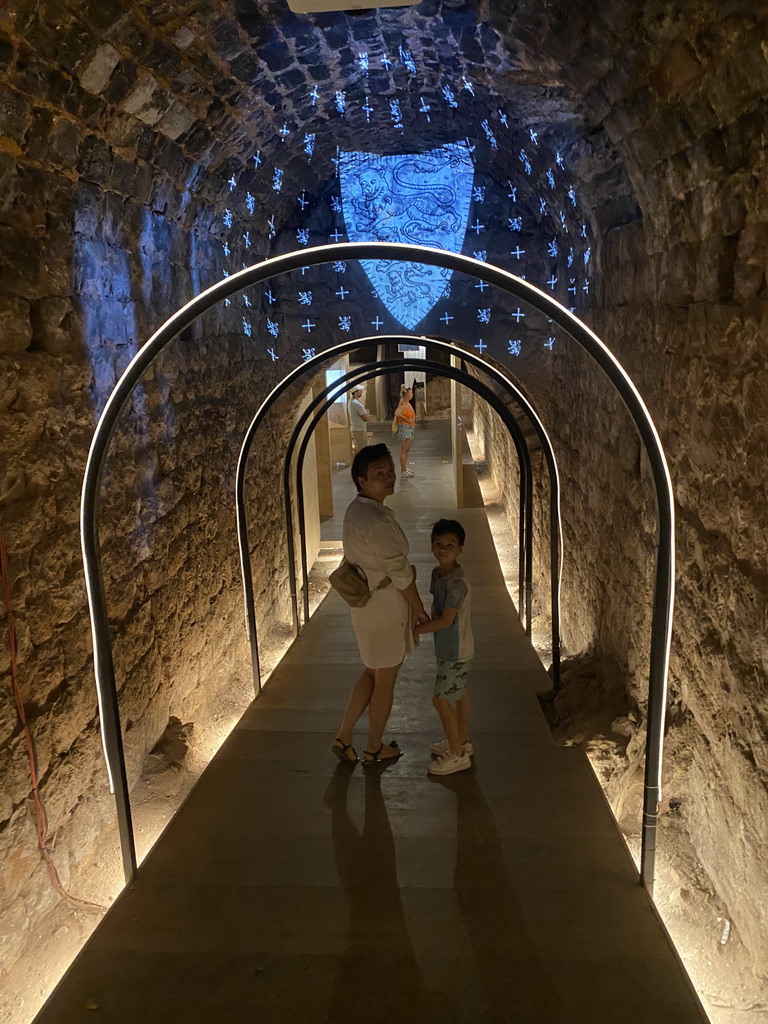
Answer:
(291, 890)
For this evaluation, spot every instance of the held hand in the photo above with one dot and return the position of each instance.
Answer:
(422, 617)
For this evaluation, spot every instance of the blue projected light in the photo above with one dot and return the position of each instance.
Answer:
(422, 199)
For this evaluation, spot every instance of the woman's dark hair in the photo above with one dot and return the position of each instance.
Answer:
(363, 459)
(443, 526)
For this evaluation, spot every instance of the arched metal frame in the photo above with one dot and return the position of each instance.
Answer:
(469, 357)
(663, 593)
(346, 383)
(525, 520)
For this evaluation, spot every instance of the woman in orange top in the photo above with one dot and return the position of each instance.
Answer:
(405, 421)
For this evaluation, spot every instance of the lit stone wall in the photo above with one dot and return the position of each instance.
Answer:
(103, 233)
(681, 300)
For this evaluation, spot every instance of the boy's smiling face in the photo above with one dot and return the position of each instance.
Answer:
(446, 549)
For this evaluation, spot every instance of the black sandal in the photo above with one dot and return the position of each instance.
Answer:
(341, 751)
(376, 759)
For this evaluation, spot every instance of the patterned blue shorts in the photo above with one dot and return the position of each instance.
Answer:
(451, 679)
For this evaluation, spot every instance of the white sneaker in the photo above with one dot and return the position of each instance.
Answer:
(449, 763)
(406, 472)
(441, 747)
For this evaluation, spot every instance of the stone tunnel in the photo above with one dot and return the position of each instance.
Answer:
(612, 155)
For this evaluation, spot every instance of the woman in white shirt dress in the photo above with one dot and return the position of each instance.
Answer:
(374, 540)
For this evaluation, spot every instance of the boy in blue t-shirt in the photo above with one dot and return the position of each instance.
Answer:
(454, 647)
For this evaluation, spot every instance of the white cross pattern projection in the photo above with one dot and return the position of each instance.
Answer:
(413, 197)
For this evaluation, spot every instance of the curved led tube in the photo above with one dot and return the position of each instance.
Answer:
(663, 600)
(361, 374)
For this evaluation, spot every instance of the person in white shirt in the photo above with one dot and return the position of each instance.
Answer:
(358, 417)
(375, 542)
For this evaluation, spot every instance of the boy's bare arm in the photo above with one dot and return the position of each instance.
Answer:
(439, 622)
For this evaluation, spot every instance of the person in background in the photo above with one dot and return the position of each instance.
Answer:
(405, 422)
(358, 417)
(420, 397)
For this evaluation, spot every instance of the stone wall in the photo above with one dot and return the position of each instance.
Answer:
(103, 233)
(681, 301)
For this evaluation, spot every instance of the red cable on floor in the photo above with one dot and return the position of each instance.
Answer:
(39, 809)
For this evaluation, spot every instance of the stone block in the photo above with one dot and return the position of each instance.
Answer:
(163, 60)
(64, 143)
(96, 72)
(292, 79)
(716, 259)
(19, 262)
(183, 38)
(144, 145)
(122, 81)
(752, 260)
(121, 178)
(122, 132)
(73, 42)
(246, 68)
(6, 54)
(698, 112)
(225, 39)
(56, 327)
(677, 276)
(15, 325)
(15, 111)
(55, 265)
(753, 244)
(57, 89)
(147, 101)
(142, 186)
(130, 35)
(30, 75)
(94, 160)
(176, 120)
(678, 70)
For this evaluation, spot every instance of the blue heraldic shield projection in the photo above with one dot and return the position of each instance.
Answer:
(421, 199)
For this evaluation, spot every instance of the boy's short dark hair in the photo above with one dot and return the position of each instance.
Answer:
(448, 526)
(363, 459)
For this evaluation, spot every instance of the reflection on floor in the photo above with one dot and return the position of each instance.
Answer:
(292, 890)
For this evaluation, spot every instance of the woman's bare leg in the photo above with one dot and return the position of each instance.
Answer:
(405, 447)
(358, 700)
(380, 707)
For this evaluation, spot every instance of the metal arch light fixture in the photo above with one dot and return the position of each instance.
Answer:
(663, 593)
(360, 374)
(467, 356)
(342, 385)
